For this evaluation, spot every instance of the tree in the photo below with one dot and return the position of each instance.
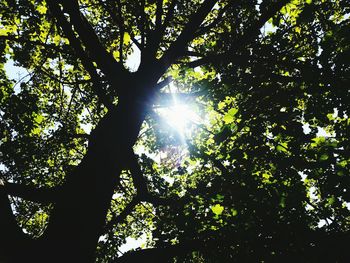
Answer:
(264, 178)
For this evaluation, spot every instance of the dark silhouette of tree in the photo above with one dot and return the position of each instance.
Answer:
(263, 179)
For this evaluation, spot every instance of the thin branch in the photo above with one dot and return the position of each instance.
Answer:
(142, 23)
(119, 20)
(54, 78)
(137, 43)
(155, 38)
(204, 29)
(218, 58)
(165, 253)
(80, 136)
(169, 16)
(35, 42)
(127, 210)
(159, 14)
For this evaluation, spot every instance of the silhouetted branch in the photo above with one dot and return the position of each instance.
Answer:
(31, 193)
(35, 42)
(159, 14)
(80, 135)
(178, 47)
(75, 43)
(167, 252)
(249, 34)
(137, 176)
(12, 238)
(163, 83)
(127, 210)
(90, 40)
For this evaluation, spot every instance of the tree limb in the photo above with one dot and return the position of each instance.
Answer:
(159, 14)
(31, 193)
(163, 83)
(127, 210)
(137, 176)
(166, 253)
(250, 33)
(12, 238)
(88, 65)
(90, 40)
(155, 255)
(188, 33)
(34, 42)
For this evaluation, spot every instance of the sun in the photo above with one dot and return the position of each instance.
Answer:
(180, 116)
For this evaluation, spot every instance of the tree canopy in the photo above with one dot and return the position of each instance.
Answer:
(94, 153)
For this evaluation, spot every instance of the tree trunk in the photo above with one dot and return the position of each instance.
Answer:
(78, 218)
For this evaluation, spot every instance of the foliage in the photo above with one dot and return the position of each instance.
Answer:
(262, 177)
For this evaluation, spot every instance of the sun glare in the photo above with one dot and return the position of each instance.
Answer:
(180, 116)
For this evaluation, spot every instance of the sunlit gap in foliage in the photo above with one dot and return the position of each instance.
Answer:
(134, 59)
(179, 114)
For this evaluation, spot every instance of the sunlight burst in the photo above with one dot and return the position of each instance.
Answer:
(179, 117)
(179, 114)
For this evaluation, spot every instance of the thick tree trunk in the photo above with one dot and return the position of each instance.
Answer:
(77, 219)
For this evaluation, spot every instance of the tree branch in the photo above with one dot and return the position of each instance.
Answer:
(188, 33)
(163, 83)
(155, 255)
(166, 253)
(31, 193)
(34, 42)
(250, 33)
(142, 23)
(90, 40)
(159, 14)
(12, 238)
(127, 210)
(88, 65)
(137, 176)
(169, 16)
(218, 58)
(217, 20)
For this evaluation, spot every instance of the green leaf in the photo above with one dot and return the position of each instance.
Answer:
(217, 209)
(41, 9)
(324, 157)
(282, 147)
(233, 111)
(283, 202)
(39, 118)
(229, 116)
(227, 119)
(234, 212)
(126, 38)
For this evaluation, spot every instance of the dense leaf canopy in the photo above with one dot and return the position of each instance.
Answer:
(91, 156)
